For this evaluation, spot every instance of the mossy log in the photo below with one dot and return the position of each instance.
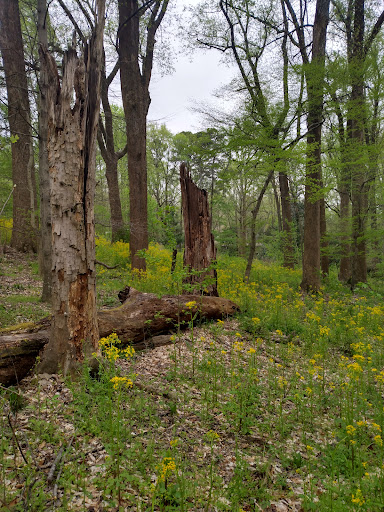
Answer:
(144, 321)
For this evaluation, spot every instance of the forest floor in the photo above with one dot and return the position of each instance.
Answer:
(222, 419)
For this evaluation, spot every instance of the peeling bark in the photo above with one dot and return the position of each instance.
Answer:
(45, 242)
(73, 110)
(200, 251)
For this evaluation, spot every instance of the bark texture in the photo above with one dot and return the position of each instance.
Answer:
(255, 212)
(200, 250)
(288, 248)
(314, 75)
(110, 156)
(45, 240)
(139, 321)
(73, 110)
(23, 175)
(359, 182)
(135, 76)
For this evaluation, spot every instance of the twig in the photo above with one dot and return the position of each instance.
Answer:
(105, 265)
(76, 457)
(61, 468)
(30, 449)
(55, 463)
(15, 438)
(28, 494)
(8, 198)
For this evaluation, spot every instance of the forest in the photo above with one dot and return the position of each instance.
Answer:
(192, 320)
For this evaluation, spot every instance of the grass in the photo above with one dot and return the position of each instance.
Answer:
(282, 405)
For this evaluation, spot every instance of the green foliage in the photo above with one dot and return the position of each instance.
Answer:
(283, 402)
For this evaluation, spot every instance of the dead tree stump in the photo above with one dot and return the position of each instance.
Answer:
(200, 251)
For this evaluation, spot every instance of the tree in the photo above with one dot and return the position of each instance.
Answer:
(356, 172)
(163, 176)
(23, 173)
(314, 74)
(246, 30)
(111, 156)
(135, 75)
(357, 115)
(45, 245)
(73, 111)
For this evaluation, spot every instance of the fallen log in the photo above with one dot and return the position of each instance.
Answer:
(143, 320)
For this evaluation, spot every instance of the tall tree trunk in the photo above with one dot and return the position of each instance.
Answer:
(135, 75)
(344, 182)
(278, 206)
(23, 172)
(324, 246)
(255, 211)
(72, 132)
(372, 137)
(242, 233)
(359, 183)
(111, 157)
(199, 251)
(45, 241)
(315, 87)
(136, 102)
(117, 222)
(345, 259)
(287, 235)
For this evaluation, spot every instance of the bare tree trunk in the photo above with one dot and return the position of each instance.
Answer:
(345, 259)
(23, 172)
(288, 249)
(45, 242)
(71, 151)
(117, 222)
(315, 88)
(199, 251)
(242, 232)
(135, 75)
(359, 182)
(111, 157)
(278, 206)
(344, 193)
(255, 211)
(324, 257)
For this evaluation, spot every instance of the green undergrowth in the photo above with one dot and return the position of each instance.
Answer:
(281, 406)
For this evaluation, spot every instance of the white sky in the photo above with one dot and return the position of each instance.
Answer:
(194, 81)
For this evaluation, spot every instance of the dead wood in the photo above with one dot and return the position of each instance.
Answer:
(144, 320)
(200, 250)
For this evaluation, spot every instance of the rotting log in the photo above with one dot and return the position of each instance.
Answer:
(144, 320)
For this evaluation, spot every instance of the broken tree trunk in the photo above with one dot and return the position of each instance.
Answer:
(200, 251)
(73, 101)
(138, 322)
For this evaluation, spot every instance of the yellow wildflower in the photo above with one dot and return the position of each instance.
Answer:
(351, 430)
(358, 498)
(121, 381)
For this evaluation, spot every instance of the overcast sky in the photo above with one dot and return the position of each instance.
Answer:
(192, 82)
